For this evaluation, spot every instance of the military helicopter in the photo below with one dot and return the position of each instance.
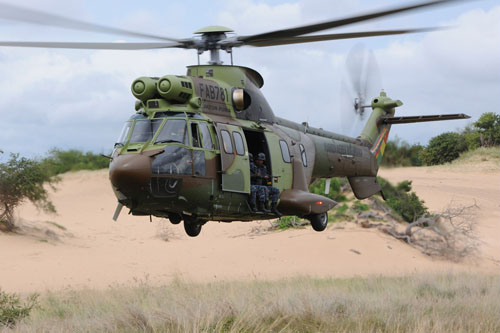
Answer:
(184, 153)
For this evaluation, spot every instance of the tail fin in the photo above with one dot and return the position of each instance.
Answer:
(376, 134)
(378, 147)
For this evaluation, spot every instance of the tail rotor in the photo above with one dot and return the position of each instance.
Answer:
(360, 84)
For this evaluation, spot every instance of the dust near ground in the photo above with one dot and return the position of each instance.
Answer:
(83, 247)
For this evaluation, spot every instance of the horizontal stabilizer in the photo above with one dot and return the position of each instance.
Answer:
(363, 187)
(420, 119)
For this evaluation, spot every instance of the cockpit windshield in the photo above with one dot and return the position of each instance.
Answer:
(141, 129)
(124, 134)
(144, 130)
(174, 130)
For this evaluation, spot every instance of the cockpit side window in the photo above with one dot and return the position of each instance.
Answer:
(144, 130)
(174, 130)
(206, 138)
(195, 135)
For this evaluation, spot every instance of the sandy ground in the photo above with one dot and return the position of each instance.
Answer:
(93, 251)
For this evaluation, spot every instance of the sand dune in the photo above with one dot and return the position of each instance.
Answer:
(83, 247)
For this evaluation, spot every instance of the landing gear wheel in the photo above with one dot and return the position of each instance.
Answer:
(192, 228)
(319, 221)
(175, 218)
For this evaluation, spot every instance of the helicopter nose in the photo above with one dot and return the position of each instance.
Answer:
(130, 174)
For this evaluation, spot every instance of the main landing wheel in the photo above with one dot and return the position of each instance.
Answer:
(319, 221)
(192, 227)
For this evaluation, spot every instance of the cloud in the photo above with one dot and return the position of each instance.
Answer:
(81, 98)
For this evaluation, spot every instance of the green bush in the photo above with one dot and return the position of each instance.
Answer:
(488, 125)
(472, 137)
(61, 161)
(402, 200)
(12, 309)
(318, 187)
(400, 153)
(444, 148)
(358, 206)
(21, 179)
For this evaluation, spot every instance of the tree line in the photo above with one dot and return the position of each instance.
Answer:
(444, 148)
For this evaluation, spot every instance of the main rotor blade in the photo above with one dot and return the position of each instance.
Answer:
(15, 13)
(94, 46)
(347, 35)
(307, 29)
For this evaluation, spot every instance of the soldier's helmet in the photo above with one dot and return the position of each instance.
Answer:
(261, 157)
(250, 156)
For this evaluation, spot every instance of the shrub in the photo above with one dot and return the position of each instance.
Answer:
(400, 153)
(488, 125)
(444, 148)
(336, 184)
(60, 161)
(21, 179)
(472, 137)
(358, 206)
(12, 309)
(402, 201)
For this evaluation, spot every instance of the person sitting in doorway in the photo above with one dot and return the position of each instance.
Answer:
(257, 191)
(264, 179)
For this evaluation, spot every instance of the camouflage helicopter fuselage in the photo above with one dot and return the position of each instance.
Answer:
(205, 174)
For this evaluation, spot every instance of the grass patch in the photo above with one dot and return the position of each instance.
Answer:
(481, 154)
(13, 308)
(359, 207)
(437, 303)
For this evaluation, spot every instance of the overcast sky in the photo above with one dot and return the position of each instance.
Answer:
(80, 99)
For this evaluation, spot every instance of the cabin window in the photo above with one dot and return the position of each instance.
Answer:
(303, 154)
(195, 135)
(174, 131)
(226, 141)
(144, 130)
(285, 153)
(238, 143)
(206, 138)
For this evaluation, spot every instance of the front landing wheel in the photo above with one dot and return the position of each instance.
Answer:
(192, 228)
(319, 221)
(175, 218)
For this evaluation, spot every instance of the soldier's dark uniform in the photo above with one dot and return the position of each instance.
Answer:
(257, 191)
(262, 178)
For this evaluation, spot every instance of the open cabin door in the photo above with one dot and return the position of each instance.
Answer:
(234, 159)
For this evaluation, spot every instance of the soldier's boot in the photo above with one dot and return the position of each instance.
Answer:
(264, 207)
(253, 207)
(275, 210)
